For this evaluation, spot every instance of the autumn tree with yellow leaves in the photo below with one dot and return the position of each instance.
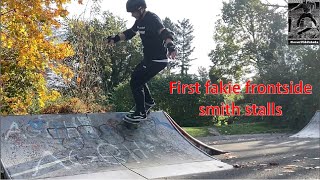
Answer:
(27, 51)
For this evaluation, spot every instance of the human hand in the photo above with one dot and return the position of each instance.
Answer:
(172, 52)
(172, 55)
(110, 41)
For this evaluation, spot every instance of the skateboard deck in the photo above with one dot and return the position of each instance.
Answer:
(135, 124)
(132, 124)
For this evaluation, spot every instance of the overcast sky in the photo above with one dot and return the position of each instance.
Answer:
(202, 14)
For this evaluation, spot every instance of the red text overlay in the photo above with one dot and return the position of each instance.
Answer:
(269, 109)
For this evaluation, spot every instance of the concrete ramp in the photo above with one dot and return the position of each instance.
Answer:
(312, 129)
(100, 146)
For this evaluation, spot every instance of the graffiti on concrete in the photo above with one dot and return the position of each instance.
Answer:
(80, 141)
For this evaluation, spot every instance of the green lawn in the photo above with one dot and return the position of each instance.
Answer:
(233, 129)
(197, 131)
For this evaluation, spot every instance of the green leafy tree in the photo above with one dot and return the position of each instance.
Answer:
(99, 68)
(167, 22)
(244, 44)
(203, 73)
(251, 38)
(184, 45)
(183, 108)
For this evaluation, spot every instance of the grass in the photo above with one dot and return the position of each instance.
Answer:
(197, 131)
(234, 129)
(249, 128)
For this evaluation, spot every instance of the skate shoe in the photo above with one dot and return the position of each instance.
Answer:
(136, 117)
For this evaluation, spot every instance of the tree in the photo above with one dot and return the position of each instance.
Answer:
(184, 108)
(170, 25)
(244, 43)
(27, 51)
(184, 41)
(173, 27)
(203, 73)
(251, 38)
(98, 67)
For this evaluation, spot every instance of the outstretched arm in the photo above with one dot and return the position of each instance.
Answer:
(297, 7)
(126, 35)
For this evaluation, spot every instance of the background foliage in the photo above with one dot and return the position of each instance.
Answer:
(245, 45)
(27, 52)
(50, 68)
(181, 107)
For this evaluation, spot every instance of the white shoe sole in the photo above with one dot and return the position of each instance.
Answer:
(134, 120)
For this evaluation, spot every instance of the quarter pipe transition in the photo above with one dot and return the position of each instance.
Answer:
(100, 146)
(312, 129)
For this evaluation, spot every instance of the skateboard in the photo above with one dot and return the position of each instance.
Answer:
(135, 124)
(132, 124)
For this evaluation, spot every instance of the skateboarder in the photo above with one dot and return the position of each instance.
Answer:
(158, 47)
(307, 7)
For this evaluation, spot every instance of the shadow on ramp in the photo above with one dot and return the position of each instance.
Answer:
(100, 146)
(312, 129)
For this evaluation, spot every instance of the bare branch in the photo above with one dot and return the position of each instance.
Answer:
(275, 5)
(12, 10)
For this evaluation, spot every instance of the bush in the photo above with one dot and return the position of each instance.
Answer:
(297, 110)
(183, 108)
(73, 105)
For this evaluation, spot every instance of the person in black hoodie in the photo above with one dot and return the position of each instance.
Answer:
(158, 46)
(307, 7)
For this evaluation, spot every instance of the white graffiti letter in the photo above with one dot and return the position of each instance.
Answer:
(134, 154)
(14, 129)
(111, 153)
(56, 161)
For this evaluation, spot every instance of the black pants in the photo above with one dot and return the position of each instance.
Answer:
(142, 73)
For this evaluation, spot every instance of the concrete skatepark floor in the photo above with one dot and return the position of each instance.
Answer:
(265, 156)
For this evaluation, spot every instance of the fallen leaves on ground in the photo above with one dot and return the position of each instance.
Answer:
(229, 156)
(288, 171)
(290, 167)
